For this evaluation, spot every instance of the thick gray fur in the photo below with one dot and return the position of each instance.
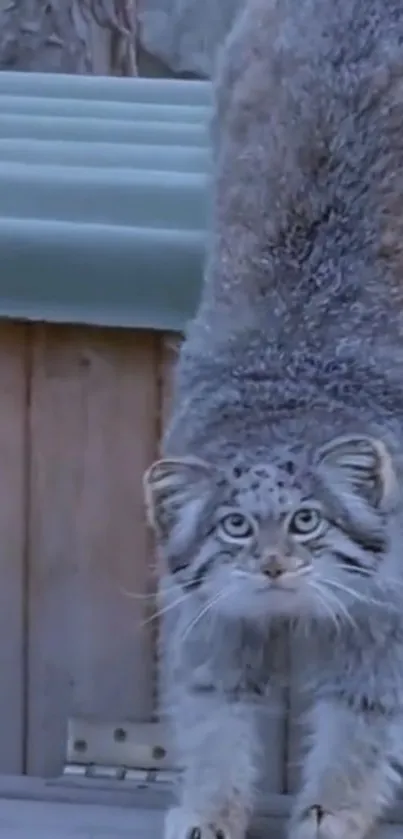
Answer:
(289, 395)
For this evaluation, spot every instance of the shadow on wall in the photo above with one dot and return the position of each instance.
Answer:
(69, 36)
(185, 34)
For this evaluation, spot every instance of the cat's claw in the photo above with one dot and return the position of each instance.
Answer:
(183, 824)
(317, 823)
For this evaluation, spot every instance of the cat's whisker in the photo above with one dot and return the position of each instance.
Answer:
(372, 575)
(134, 595)
(203, 612)
(359, 572)
(346, 589)
(341, 607)
(386, 587)
(361, 598)
(322, 597)
(168, 608)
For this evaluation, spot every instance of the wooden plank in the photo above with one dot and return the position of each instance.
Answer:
(45, 820)
(132, 796)
(168, 348)
(50, 820)
(94, 415)
(297, 738)
(13, 458)
(39, 820)
(273, 726)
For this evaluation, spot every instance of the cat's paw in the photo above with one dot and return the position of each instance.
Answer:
(317, 823)
(181, 823)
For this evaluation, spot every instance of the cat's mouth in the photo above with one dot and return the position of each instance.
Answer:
(284, 581)
(254, 595)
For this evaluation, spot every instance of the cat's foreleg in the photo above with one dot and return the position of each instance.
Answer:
(216, 741)
(349, 775)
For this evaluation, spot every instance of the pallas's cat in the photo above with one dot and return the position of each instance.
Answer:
(277, 504)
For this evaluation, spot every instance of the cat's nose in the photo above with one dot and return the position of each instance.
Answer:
(273, 566)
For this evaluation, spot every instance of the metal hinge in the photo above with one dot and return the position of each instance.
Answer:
(136, 752)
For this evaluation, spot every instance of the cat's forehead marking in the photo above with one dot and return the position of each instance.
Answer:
(267, 488)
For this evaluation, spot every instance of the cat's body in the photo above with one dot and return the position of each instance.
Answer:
(307, 252)
(279, 502)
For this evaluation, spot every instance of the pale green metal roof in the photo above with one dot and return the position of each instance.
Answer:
(103, 198)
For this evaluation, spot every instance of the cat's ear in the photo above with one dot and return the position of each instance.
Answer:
(175, 488)
(364, 464)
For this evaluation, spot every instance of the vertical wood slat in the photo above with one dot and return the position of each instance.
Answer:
(272, 721)
(299, 705)
(272, 715)
(13, 452)
(94, 406)
(169, 350)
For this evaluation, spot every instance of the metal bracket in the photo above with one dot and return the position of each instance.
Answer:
(136, 752)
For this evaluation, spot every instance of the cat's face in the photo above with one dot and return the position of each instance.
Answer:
(280, 538)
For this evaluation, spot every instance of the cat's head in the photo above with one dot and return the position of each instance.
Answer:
(293, 536)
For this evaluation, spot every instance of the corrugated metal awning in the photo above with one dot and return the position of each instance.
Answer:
(103, 199)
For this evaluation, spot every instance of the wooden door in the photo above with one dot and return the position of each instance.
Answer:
(79, 422)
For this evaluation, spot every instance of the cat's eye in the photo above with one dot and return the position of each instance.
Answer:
(306, 522)
(236, 526)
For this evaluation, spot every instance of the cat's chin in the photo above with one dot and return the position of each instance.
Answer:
(264, 601)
